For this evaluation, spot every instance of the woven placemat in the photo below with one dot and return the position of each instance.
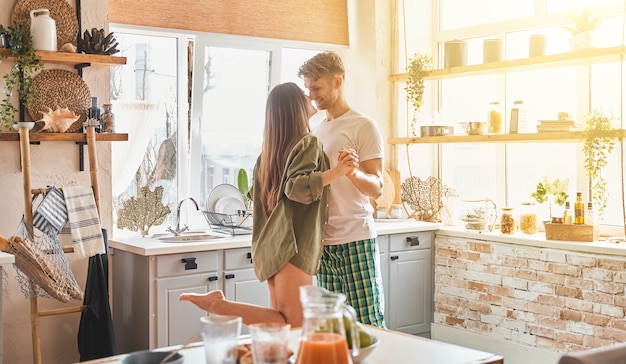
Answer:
(61, 88)
(60, 10)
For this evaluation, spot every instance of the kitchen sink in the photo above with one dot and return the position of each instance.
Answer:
(187, 237)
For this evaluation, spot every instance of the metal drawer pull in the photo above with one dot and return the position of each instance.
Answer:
(213, 278)
(249, 256)
(413, 240)
(229, 276)
(190, 263)
(394, 257)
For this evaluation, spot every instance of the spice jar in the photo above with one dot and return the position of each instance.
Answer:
(528, 218)
(108, 119)
(507, 221)
(494, 118)
(396, 211)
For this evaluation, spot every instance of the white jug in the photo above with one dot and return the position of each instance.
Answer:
(43, 30)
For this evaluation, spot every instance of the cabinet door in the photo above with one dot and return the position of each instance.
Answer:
(383, 247)
(243, 286)
(178, 320)
(410, 291)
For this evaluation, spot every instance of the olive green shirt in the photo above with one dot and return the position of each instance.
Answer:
(294, 231)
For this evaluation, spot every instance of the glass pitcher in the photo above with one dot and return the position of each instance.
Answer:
(323, 337)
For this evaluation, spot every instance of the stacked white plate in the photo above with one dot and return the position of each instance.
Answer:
(225, 199)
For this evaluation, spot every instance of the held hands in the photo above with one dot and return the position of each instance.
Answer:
(347, 161)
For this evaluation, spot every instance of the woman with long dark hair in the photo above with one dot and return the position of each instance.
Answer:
(290, 195)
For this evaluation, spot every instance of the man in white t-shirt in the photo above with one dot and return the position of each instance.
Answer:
(351, 263)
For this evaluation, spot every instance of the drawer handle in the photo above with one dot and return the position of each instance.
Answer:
(249, 256)
(394, 257)
(229, 276)
(190, 263)
(213, 278)
(413, 240)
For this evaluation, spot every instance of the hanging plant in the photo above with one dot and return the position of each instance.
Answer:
(26, 63)
(597, 147)
(419, 66)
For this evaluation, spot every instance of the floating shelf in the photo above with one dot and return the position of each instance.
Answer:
(567, 136)
(76, 59)
(58, 137)
(577, 58)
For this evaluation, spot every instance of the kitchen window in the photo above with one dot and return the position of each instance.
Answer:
(201, 127)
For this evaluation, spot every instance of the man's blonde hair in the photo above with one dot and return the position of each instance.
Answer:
(325, 63)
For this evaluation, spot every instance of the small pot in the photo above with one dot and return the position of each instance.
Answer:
(436, 130)
(152, 357)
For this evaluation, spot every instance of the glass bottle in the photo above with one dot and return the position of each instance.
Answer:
(507, 221)
(108, 119)
(589, 214)
(579, 209)
(494, 120)
(567, 214)
(528, 218)
(94, 112)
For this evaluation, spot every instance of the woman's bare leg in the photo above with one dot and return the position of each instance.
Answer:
(284, 295)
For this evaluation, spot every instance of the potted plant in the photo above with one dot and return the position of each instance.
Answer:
(581, 27)
(243, 186)
(419, 67)
(26, 63)
(551, 191)
(597, 145)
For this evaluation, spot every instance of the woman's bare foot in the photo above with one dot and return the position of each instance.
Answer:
(205, 300)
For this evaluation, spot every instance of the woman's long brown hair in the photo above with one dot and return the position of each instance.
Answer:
(286, 122)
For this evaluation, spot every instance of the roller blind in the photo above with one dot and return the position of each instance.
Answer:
(319, 21)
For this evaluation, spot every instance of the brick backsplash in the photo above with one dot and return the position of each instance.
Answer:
(540, 297)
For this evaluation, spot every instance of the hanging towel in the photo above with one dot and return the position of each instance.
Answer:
(84, 221)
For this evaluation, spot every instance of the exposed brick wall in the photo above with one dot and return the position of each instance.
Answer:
(555, 299)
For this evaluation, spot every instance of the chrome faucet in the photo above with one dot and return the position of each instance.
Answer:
(178, 229)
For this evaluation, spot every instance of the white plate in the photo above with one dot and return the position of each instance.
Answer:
(229, 205)
(220, 191)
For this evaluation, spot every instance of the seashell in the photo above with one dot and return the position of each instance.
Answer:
(69, 48)
(57, 121)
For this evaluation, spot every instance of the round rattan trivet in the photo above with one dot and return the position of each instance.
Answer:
(60, 10)
(61, 88)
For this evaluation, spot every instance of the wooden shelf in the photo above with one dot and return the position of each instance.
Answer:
(568, 136)
(76, 59)
(578, 58)
(71, 137)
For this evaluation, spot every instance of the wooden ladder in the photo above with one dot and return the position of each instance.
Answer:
(35, 313)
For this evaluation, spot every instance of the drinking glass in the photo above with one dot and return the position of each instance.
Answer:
(270, 343)
(220, 334)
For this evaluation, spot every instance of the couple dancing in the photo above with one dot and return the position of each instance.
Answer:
(311, 195)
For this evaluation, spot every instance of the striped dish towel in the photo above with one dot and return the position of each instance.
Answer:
(84, 221)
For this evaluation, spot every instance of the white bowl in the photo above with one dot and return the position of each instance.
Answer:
(366, 351)
(28, 124)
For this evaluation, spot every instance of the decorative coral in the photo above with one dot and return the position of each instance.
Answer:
(144, 211)
(425, 197)
(97, 42)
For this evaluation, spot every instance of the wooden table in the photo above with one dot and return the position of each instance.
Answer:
(395, 347)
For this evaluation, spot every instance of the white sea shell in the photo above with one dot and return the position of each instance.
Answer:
(59, 120)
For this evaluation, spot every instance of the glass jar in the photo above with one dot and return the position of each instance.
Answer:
(528, 218)
(494, 119)
(507, 221)
(108, 119)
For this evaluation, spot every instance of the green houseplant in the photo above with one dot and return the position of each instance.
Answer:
(580, 26)
(26, 63)
(243, 186)
(419, 66)
(551, 191)
(597, 145)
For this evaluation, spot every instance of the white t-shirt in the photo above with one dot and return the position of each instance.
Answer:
(349, 211)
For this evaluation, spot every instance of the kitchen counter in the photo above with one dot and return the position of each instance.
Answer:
(395, 347)
(147, 246)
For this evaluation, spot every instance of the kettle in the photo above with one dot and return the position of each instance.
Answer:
(43, 30)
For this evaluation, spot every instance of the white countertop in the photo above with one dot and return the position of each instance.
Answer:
(134, 243)
(395, 347)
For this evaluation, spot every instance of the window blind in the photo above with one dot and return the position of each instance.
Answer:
(319, 21)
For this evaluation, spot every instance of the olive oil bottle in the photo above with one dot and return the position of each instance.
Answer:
(579, 209)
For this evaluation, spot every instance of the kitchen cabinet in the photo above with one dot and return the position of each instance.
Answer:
(146, 311)
(409, 285)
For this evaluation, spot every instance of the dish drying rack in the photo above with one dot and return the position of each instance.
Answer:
(232, 224)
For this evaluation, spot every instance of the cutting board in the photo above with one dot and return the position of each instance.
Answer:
(389, 192)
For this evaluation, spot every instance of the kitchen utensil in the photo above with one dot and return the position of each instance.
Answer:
(188, 343)
(221, 191)
(385, 200)
(436, 130)
(229, 205)
(43, 30)
(474, 127)
(323, 337)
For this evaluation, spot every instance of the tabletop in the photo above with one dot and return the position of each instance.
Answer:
(395, 347)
